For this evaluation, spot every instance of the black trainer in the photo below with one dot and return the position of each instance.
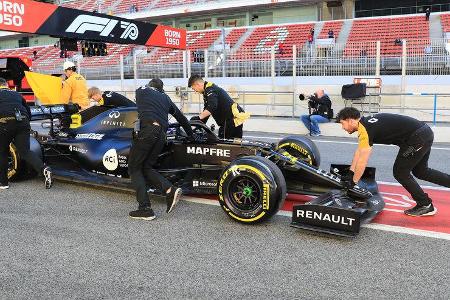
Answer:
(145, 213)
(48, 180)
(421, 210)
(172, 198)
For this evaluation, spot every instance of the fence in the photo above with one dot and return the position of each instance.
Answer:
(411, 57)
(429, 107)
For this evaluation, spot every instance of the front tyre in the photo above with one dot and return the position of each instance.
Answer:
(301, 148)
(251, 189)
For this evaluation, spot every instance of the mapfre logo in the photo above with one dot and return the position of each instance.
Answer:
(105, 26)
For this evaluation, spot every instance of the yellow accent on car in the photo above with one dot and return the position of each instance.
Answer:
(76, 121)
(247, 220)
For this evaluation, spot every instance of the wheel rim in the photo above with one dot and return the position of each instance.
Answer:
(245, 193)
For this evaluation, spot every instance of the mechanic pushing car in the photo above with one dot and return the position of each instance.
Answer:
(153, 107)
(15, 127)
(227, 114)
(74, 88)
(414, 138)
(109, 98)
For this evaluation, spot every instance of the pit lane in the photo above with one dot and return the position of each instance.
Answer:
(77, 242)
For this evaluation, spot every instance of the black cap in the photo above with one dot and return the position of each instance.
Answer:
(157, 84)
(193, 79)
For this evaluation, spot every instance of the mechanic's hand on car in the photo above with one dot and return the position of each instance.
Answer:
(347, 180)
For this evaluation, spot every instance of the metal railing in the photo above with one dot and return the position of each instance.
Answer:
(372, 58)
(429, 107)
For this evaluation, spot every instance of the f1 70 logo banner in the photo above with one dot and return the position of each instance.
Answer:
(48, 19)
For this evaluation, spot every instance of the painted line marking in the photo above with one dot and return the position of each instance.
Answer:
(437, 188)
(389, 228)
(334, 142)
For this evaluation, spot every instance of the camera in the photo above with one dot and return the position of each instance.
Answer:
(310, 98)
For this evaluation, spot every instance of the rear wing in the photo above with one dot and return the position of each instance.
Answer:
(44, 112)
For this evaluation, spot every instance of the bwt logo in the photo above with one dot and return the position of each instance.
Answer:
(105, 26)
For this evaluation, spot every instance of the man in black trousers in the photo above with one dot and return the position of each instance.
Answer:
(15, 127)
(153, 107)
(414, 138)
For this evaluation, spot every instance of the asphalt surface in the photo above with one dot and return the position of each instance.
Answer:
(74, 242)
(77, 242)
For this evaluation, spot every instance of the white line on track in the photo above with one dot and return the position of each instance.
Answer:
(335, 142)
(397, 229)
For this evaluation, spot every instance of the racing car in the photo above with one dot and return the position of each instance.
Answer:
(250, 177)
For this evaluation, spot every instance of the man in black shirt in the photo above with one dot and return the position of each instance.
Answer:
(414, 138)
(109, 98)
(15, 127)
(227, 114)
(321, 112)
(153, 107)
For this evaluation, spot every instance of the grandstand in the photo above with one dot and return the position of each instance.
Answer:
(354, 45)
(260, 39)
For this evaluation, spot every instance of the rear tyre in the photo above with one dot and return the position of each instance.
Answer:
(301, 148)
(15, 170)
(251, 189)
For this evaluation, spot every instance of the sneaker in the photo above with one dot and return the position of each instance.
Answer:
(172, 198)
(4, 187)
(421, 211)
(316, 134)
(145, 213)
(48, 180)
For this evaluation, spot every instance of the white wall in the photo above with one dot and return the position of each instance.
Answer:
(295, 14)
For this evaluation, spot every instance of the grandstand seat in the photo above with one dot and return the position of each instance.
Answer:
(445, 21)
(336, 26)
(387, 30)
(264, 38)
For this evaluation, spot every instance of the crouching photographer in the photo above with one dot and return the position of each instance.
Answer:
(320, 111)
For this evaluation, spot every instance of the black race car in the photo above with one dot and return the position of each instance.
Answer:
(251, 178)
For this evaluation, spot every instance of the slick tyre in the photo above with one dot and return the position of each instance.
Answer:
(301, 148)
(15, 164)
(251, 189)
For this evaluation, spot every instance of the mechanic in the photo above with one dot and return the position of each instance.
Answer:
(321, 112)
(15, 127)
(74, 88)
(109, 98)
(227, 114)
(414, 138)
(153, 107)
